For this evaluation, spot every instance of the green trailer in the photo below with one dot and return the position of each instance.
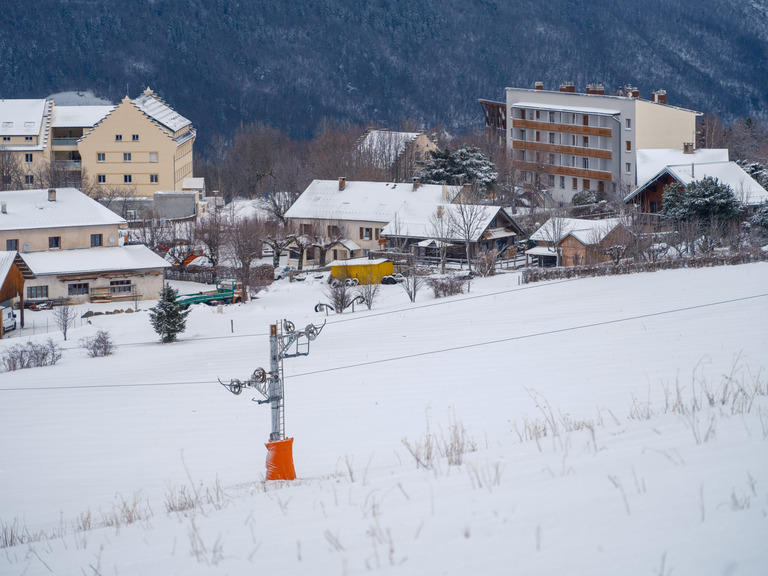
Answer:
(227, 292)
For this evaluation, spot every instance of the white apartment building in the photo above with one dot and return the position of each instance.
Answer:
(566, 142)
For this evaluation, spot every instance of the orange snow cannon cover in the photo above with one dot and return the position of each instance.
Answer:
(280, 460)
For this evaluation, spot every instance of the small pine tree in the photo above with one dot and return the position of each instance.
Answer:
(168, 319)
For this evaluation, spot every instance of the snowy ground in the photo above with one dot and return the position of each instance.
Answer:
(580, 411)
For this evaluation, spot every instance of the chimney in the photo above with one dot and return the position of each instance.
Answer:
(538, 85)
(660, 96)
(567, 87)
(51, 194)
(4, 208)
(596, 89)
(416, 182)
(342, 183)
(631, 92)
(687, 147)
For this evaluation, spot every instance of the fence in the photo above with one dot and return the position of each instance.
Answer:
(609, 269)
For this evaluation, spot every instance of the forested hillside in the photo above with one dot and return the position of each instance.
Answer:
(290, 64)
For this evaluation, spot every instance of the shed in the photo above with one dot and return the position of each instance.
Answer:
(365, 270)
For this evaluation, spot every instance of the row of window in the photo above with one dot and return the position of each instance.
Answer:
(127, 157)
(79, 289)
(127, 178)
(26, 138)
(119, 137)
(369, 233)
(567, 118)
(54, 242)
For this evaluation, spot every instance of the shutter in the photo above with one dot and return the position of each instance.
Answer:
(361, 233)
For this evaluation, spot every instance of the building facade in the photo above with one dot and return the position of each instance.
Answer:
(564, 142)
(141, 145)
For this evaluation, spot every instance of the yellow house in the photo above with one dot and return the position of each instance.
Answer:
(143, 144)
(25, 143)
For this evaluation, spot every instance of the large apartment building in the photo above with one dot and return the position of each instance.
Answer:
(141, 145)
(564, 142)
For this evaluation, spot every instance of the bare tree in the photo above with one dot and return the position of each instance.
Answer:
(243, 248)
(441, 230)
(368, 290)
(209, 231)
(414, 281)
(11, 172)
(302, 242)
(467, 218)
(119, 199)
(554, 231)
(64, 316)
(323, 240)
(183, 246)
(278, 236)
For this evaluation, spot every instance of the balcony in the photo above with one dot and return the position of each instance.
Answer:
(68, 164)
(71, 142)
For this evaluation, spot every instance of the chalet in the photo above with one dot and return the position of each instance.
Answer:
(578, 241)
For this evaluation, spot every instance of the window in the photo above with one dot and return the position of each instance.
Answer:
(629, 146)
(628, 123)
(628, 168)
(585, 163)
(126, 157)
(100, 157)
(28, 138)
(551, 116)
(29, 179)
(153, 156)
(538, 114)
(365, 233)
(562, 181)
(552, 159)
(551, 180)
(12, 245)
(306, 229)
(135, 137)
(96, 240)
(575, 184)
(538, 136)
(587, 184)
(522, 135)
(37, 291)
(153, 178)
(127, 179)
(551, 137)
(102, 178)
(6, 138)
(585, 142)
(654, 207)
(54, 242)
(118, 137)
(334, 231)
(119, 286)
(77, 289)
(28, 158)
(586, 120)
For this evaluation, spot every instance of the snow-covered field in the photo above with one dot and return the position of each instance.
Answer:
(604, 426)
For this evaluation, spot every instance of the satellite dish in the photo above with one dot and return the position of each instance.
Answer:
(111, 239)
(26, 247)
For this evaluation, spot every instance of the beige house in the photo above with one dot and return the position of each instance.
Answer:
(397, 152)
(566, 142)
(142, 144)
(355, 211)
(74, 247)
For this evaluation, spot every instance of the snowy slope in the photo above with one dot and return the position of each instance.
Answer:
(591, 447)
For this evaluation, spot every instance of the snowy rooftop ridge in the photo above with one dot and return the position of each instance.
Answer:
(79, 116)
(651, 161)
(362, 201)
(26, 209)
(22, 117)
(585, 231)
(417, 220)
(151, 105)
(76, 261)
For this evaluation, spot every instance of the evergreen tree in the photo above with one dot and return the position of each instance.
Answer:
(703, 200)
(168, 319)
(463, 165)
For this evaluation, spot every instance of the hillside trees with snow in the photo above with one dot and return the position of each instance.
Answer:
(459, 166)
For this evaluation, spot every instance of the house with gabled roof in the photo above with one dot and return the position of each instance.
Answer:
(73, 247)
(25, 134)
(143, 144)
(577, 241)
(360, 210)
(397, 153)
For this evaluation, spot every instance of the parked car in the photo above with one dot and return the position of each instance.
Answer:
(9, 318)
(395, 278)
(284, 272)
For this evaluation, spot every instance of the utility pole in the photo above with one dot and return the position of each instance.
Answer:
(284, 342)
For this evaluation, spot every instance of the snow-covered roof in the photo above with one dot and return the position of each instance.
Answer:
(415, 220)
(79, 116)
(559, 108)
(116, 258)
(585, 231)
(6, 261)
(193, 184)
(651, 161)
(385, 146)
(159, 111)
(541, 251)
(22, 117)
(744, 187)
(27, 209)
(361, 201)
